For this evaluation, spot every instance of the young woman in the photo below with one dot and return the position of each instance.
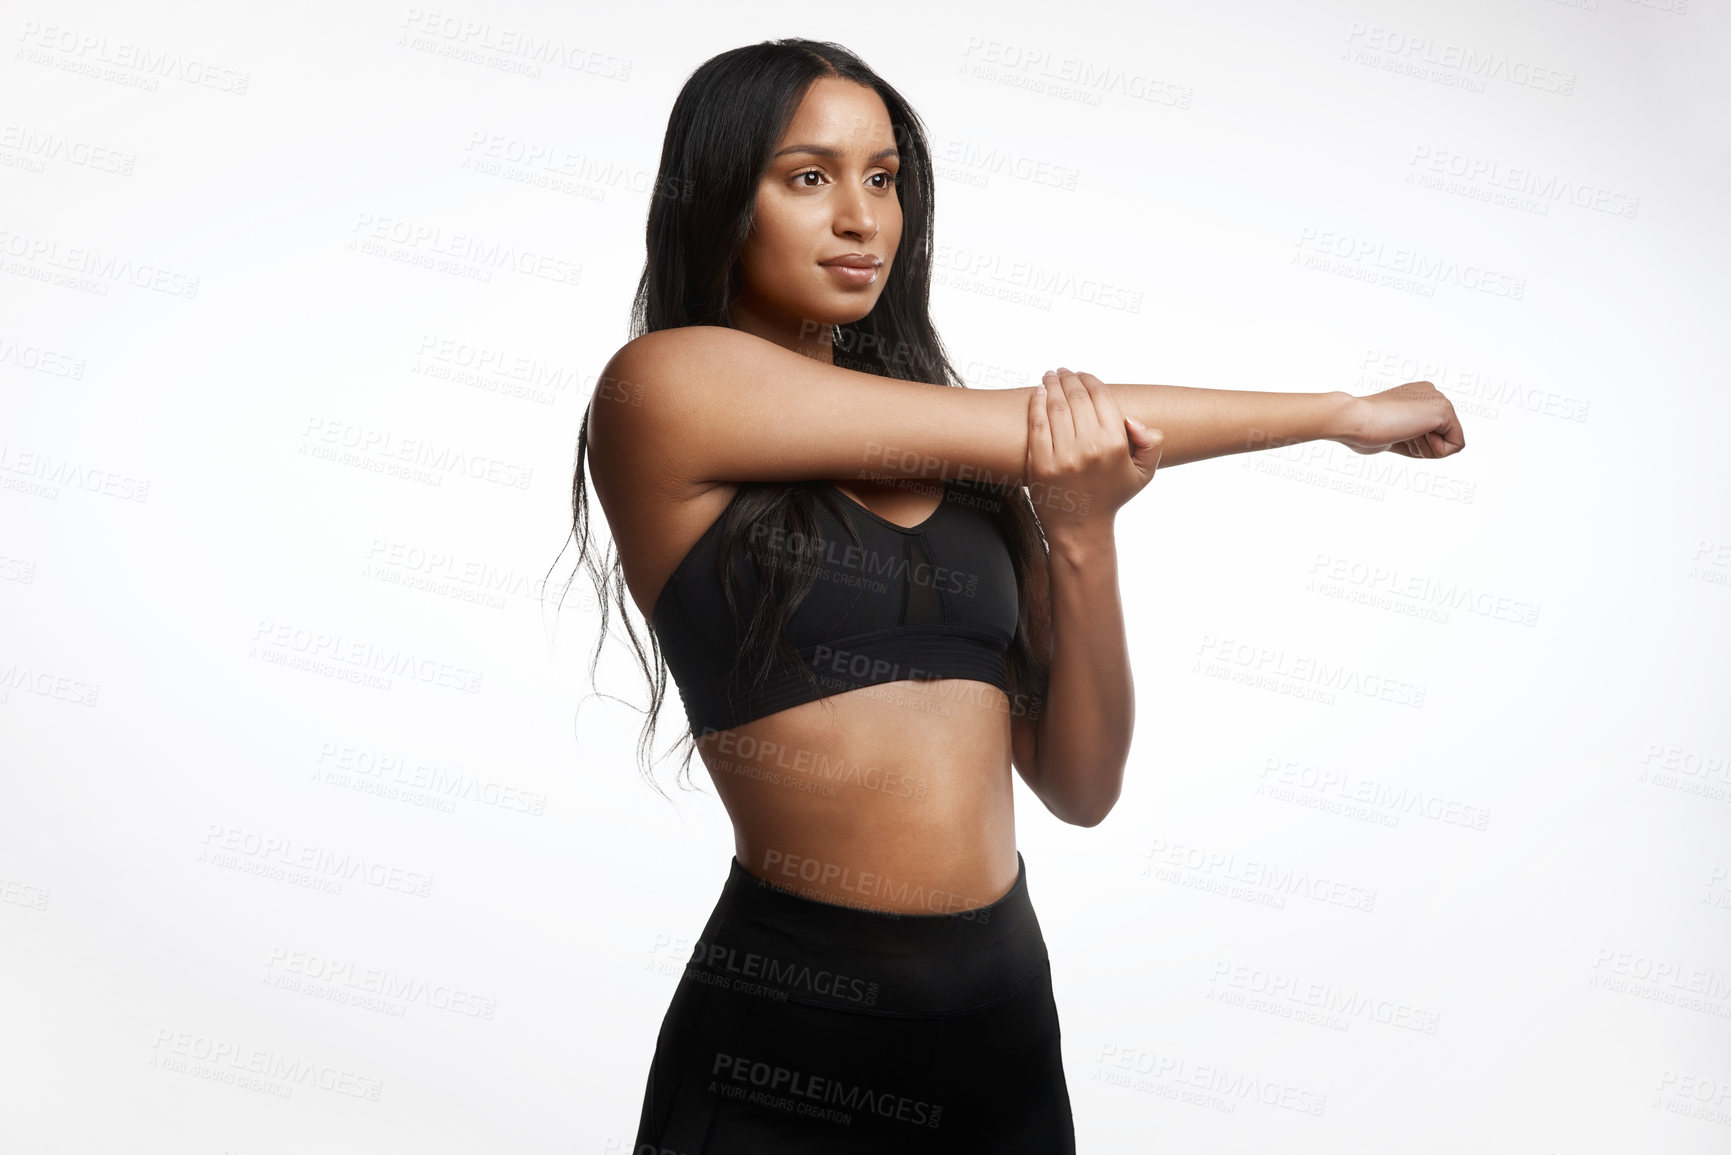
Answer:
(878, 591)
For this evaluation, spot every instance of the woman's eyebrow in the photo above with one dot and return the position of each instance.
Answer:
(833, 154)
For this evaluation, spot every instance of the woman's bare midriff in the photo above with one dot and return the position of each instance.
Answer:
(893, 797)
(890, 797)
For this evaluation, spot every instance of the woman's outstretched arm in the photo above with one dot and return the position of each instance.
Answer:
(1412, 419)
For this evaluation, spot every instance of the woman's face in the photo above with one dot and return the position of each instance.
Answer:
(829, 192)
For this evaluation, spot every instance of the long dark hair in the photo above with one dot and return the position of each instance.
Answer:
(724, 125)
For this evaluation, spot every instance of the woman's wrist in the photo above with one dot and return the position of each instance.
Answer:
(1089, 546)
(1343, 416)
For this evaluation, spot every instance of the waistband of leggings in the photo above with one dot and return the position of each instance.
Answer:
(763, 939)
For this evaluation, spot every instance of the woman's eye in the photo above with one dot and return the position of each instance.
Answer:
(884, 179)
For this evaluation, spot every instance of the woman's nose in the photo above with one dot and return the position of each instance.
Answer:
(854, 214)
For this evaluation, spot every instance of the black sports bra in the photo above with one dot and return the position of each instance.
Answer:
(935, 600)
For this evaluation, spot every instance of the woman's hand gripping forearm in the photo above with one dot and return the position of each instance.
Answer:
(1086, 459)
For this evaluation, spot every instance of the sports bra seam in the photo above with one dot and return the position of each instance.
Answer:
(934, 558)
(934, 629)
(710, 695)
(987, 640)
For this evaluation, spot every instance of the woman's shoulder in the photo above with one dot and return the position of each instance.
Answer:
(681, 340)
(651, 364)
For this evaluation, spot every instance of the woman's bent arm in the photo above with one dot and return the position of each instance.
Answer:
(1085, 724)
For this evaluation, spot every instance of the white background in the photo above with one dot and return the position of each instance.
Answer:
(222, 834)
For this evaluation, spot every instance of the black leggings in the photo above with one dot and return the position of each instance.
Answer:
(807, 1026)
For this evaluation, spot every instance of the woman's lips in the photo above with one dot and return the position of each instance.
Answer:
(852, 274)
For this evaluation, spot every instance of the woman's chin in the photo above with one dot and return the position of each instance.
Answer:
(854, 309)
